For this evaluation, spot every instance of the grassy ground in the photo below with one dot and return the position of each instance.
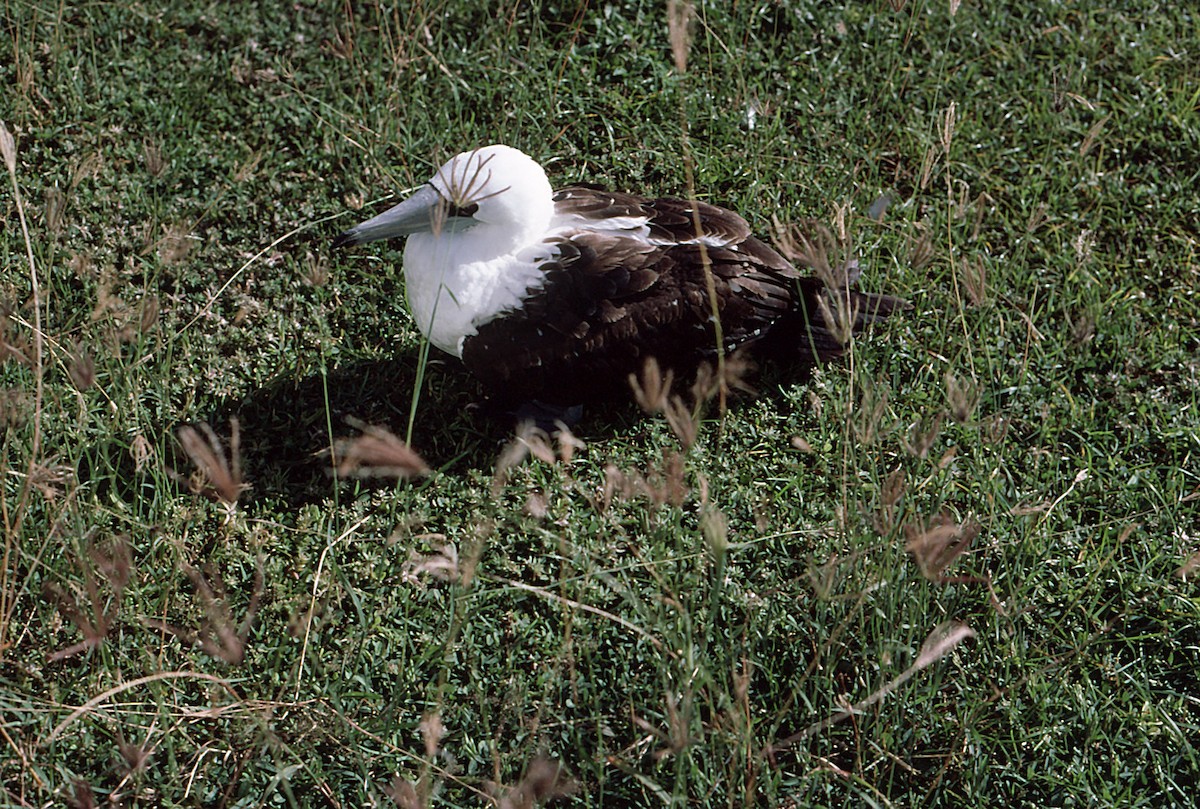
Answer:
(669, 623)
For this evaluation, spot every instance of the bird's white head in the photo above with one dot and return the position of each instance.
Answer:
(497, 191)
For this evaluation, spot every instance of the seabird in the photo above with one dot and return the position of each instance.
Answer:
(558, 297)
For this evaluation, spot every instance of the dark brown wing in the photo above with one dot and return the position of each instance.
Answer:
(612, 298)
(668, 219)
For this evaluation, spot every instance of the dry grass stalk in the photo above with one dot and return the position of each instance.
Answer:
(217, 476)
(85, 167)
(948, 121)
(341, 44)
(684, 421)
(870, 412)
(731, 375)
(922, 436)
(81, 368)
(405, 794)
(652, 392)
(152, 157)
(662, 486)
(974, 279)
(82, 796)
(920, 249)
(961, 397)
(218, 636)
(56, 205)
(813, 245)
(653, 388)
(376, 453)
(49, 478)
(544, 780)
(798, 442)
(432, 731)
(1093, 134)
(677, 737)
(314, 271)
(1037, 218)
(442, 565)
(939, 545)
(531, 440)
(1084, 245)
(927, 164)
(1083, 328)
(8, 149)
(114, 563)
(135, 756)
(714, 526)
(894, 486)
(12, 346)
(1189, 567)
(15, 407)
(938, 644)
(680, 15)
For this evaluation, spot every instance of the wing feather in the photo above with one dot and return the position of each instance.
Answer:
(627, 280)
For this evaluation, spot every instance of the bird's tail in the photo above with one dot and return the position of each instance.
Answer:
(825, 321)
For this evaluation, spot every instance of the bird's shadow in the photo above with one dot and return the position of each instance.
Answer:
(287, 426)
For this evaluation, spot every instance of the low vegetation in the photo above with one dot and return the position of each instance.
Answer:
(260, 549)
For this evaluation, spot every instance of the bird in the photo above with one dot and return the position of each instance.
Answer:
(558, 297)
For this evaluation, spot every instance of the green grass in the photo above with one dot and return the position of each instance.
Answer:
(182, 173)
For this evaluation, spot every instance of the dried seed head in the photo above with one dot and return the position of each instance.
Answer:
(651, 390)
(889, 497)
(922, 435)
(961, 397)
(153, 159)
(543, 781)
(920, 249)
(938, 546)
(375, 453)
(974, 279)
(114, 560)
(314, 271)
(1083, 328)
(714, 525)
(1083, 244)
(798, 442)
(56, 204)
(948, 126)
(175, 244)
(8, 149)
(148, 309)
(442, 565)
(216, 476)
(81, 369)
(432, 731)
(404, 794)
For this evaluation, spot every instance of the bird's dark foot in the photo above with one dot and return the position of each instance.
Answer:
(546, 416)
(543, 415)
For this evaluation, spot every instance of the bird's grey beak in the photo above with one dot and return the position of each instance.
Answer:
(423, 212)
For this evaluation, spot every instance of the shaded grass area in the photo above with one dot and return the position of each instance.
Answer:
(667, 619)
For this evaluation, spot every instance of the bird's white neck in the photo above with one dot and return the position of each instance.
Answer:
(455, 282)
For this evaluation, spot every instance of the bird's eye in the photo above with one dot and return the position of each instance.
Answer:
(465, 210)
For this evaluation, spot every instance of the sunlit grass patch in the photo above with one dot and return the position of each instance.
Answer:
(302, 604)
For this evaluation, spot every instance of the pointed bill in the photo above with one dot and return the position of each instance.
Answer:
(423, 212)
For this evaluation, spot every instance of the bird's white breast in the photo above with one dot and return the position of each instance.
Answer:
(455, 285)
